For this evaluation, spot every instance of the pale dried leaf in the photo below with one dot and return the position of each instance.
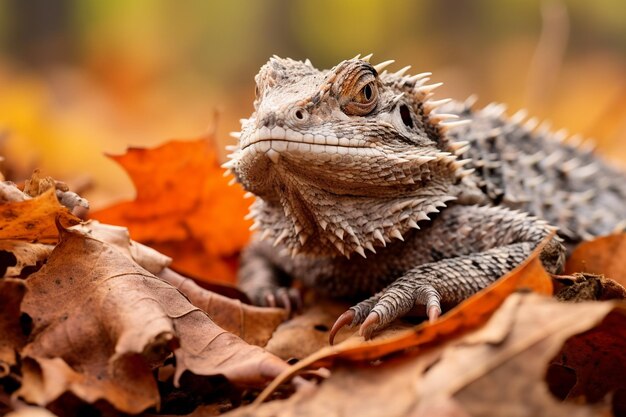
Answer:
(118, 236)
(253, 324)
(385, 390)
(311, 326)
(15, 255)
(478, 372)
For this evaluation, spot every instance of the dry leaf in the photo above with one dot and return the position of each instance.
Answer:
(37, 185)
(11, 336)
(604, 255)
(149, 259)
(33, 219)
(596, 359)
(518, 341)
(588, 287)
(16, 255)
(498, 370)
(359, 390)
(209, 350)
(101, 322)
(311, 326)
(182, 197)
(255, 325)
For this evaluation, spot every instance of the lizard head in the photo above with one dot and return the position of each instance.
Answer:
(342, 159)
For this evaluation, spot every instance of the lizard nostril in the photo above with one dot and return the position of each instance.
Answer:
(299, 114)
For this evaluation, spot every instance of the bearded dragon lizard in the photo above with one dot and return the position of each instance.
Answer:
(367, 187)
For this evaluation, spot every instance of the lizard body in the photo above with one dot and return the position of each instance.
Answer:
(364, 188)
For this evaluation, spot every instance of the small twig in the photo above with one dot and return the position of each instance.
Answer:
(548, 57)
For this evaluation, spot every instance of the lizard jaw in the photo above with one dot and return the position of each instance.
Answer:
(293, 209)
(279, 140)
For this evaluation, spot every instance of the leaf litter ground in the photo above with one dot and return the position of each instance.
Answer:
(92, 320)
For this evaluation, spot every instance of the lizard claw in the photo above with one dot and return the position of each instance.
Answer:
(345, 319)
(370, 325)
(270, 300)
(296, 299)
(284, 300)
(287, 298)
(434, 311)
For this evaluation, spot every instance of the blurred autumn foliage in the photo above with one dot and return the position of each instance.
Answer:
(83, 78)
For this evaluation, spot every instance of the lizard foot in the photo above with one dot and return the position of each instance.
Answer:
(395, 301)
(288, 298)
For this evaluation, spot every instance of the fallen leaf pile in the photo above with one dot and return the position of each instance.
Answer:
(86, 320)
(94, 323)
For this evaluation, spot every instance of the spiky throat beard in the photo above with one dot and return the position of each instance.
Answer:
(323, 201)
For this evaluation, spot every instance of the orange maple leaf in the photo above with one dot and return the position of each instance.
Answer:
(184, 207)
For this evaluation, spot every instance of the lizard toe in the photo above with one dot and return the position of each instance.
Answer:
(295, 296)
(345, 319)
(357, 314)
(370, 325)
(277, 297)
(270, 299)
(433, 313)
(430, 297)
(288, 298)
(283, 299)
(396, 301)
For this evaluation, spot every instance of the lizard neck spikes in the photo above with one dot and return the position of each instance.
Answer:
(315, 221)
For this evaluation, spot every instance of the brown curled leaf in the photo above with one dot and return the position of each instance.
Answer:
(595, 358)
(101, 323)
(253, 324)
(118, 236)
(17, 255)
(587, 287)
(605, 255)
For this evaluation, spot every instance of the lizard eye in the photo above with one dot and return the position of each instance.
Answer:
(364, 101)
(367, 94)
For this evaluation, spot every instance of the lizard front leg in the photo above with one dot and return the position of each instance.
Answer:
(263, 281)
(477, 246)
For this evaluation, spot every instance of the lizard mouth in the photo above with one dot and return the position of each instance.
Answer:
(285, 140)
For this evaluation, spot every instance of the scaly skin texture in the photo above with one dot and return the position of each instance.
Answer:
(365, 189)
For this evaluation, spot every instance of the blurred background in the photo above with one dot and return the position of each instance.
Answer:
(82, 78)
